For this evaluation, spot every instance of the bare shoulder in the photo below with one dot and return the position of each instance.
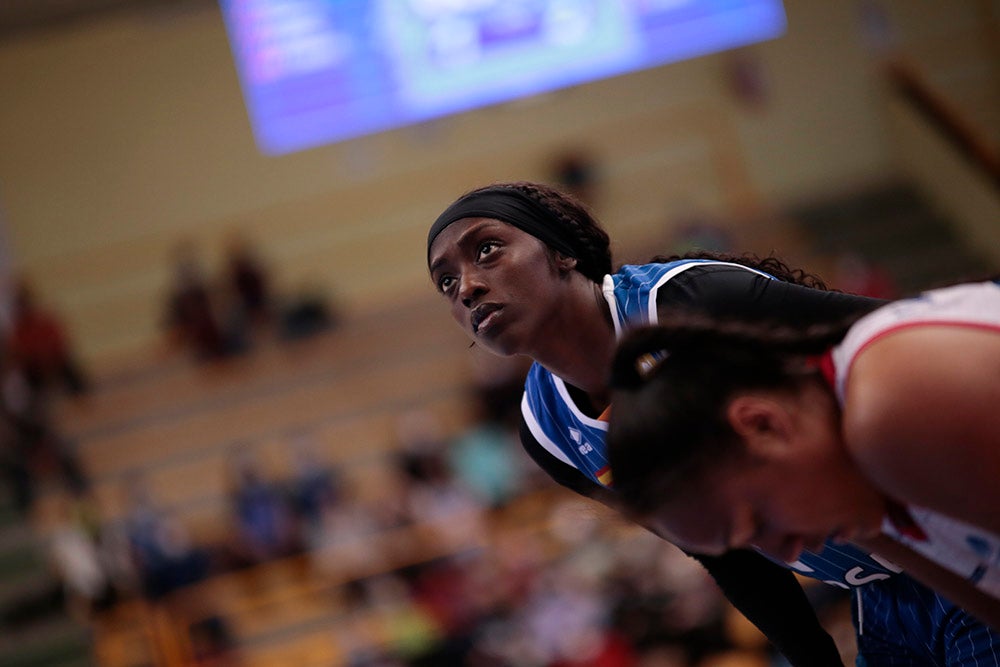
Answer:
(907, 380)
(922, 402)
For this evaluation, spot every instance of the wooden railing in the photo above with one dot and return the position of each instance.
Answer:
(939, 113)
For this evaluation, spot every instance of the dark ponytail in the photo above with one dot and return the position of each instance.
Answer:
(671, 384)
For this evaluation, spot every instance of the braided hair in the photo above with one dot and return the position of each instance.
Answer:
(578, 223)
(562, 220)
(769, 264)
(559, 220)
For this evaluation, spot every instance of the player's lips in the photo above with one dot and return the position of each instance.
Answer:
(484, 315)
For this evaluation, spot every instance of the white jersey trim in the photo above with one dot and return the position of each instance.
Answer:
(963, 305)
(608, 288)
(568, 400)
(539, 434)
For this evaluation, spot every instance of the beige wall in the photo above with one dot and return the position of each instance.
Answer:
(119, 136)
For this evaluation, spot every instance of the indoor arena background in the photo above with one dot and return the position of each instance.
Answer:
(327, 474)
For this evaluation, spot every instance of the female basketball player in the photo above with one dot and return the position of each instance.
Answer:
(888, 439)
(528, 270)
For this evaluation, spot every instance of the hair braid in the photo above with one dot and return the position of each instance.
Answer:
(577, 222)
(770, 265)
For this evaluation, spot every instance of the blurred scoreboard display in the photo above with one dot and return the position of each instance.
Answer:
(320, 71)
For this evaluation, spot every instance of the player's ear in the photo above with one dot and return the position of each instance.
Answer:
(565, 263)
(764, 425)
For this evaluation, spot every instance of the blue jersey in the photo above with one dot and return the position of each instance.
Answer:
(578, 440)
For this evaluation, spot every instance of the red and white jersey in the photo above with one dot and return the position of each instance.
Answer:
(967, 550)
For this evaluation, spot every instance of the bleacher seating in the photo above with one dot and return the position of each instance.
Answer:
(177, 423)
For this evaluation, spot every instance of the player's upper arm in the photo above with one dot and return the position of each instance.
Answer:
(732, 290)
(922, 419)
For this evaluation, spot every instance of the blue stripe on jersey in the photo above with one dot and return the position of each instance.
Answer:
(579, 441)
(560, 427)
(902, 623)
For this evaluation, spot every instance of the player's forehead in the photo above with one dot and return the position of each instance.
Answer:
(463, 233)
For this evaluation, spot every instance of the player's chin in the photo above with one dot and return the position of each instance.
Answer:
(499, 343)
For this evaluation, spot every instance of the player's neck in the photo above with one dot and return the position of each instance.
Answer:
(580, 343)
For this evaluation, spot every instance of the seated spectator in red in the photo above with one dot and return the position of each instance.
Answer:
(190, 318)
(39, 344)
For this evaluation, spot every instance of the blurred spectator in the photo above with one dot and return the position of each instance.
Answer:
(451, 512)
(39, 344)
(421, 445)
(213, 644)
(16, 399)
(191, 318)
(342, 542)
(664, 599)
(71, 526)
(248, 279)
(31, 448)
(700, 233)
(307, 312)
(263, 522)
(410, 631)
(434, 495)
(857, 275)
(485, 459)
(312, 487)
(576, 172)
(163, 556)
(565, 619)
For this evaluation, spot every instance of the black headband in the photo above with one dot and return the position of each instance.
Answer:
(511, 206)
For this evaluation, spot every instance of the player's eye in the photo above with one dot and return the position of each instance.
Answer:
(445, 283)
(486, 248)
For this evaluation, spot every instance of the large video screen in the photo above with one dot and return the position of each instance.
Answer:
(320, 71)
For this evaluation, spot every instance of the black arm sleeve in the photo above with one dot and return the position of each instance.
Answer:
(772, 599)
(767, 594)
(727, 290)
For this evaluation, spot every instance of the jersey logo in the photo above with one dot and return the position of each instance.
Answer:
(582, 445)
